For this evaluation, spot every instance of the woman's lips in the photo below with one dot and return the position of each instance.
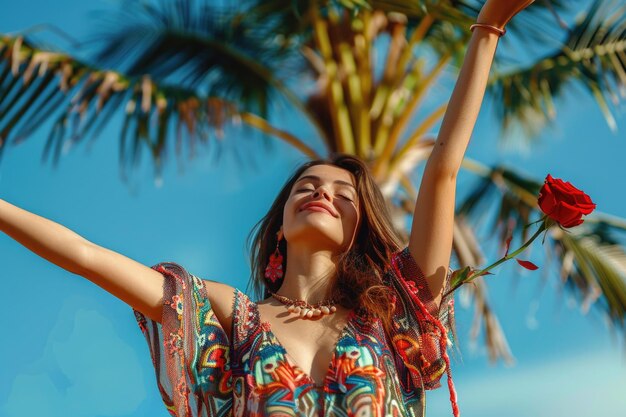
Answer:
(318, 208)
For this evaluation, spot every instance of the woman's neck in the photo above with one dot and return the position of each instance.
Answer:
(308, 273)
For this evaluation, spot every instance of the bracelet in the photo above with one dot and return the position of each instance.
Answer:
(496, 29)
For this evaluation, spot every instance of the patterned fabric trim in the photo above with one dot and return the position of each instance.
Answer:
(411, 272)
(189, 348)
(422, 339)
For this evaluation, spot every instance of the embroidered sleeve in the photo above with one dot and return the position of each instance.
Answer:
(421, 332)
(411, 273)
(189, 348)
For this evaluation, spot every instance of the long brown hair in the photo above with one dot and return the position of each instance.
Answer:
(360, 270)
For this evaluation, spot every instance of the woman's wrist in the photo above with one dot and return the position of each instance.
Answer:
(491, 28)
(496, 14)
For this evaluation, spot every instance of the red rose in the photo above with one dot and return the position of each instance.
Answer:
(563, 202)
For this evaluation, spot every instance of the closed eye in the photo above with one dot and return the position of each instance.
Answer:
(340, 195)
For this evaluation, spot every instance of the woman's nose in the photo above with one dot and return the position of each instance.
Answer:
(323, 192)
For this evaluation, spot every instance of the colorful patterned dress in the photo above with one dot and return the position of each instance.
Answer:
(201, 371)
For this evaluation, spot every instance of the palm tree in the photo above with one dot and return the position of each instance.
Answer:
(184, 71)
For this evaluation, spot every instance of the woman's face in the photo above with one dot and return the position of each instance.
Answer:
(322, 209)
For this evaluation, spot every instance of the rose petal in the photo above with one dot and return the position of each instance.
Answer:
(575, 223)
(582, 200)
(568, 186)
(567, 214)
(586, 207)
(546, 200)
(527, 264)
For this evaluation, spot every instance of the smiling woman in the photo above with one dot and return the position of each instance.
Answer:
(348, 320)
(316, 191)
(350, 325)
(349, 236)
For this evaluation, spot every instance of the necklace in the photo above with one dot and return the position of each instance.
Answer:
(305, 309)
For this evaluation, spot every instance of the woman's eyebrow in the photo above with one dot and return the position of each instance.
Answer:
(315, 177)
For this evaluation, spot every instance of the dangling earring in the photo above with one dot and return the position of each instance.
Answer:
(274, 269)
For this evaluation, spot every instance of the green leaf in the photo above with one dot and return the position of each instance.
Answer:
(460, 275)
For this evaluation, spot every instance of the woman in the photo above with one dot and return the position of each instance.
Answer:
(351, 324)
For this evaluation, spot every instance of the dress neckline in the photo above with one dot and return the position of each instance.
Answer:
(266, 326)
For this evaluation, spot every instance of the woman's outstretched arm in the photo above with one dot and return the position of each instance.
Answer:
(138, 285)
(430, 241)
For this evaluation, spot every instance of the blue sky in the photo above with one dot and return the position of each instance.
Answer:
(70, 348)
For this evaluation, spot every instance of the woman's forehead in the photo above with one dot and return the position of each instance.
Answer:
(328, 173)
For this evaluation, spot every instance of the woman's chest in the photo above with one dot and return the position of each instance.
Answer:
(278, 351)
(356, 375)
(308, 345)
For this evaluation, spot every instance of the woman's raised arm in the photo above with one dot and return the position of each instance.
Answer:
(430, 242)
(138, 285)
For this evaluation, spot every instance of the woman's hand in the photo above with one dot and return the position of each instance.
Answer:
(499, 12)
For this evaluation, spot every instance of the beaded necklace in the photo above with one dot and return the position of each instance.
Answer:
(305, 309)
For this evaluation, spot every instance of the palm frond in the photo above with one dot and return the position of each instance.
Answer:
(598, 273)
(36, 86)
(214, 51)
(593, 55)
(494, 337)
(468, 252)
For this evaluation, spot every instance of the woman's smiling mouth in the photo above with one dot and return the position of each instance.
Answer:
(316, 206)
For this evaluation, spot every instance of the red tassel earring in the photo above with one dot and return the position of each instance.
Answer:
(274, 269)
